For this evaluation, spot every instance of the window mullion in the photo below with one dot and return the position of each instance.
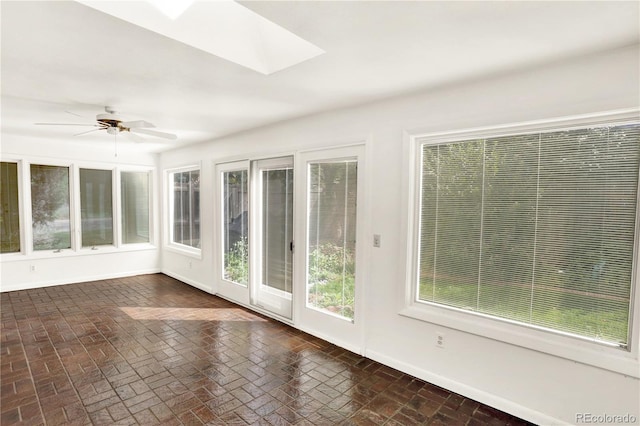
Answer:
(437, 215)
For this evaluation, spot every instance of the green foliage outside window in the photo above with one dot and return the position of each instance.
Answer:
(332, 279)
(236, 262)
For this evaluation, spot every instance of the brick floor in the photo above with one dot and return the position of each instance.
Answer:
(151, 350)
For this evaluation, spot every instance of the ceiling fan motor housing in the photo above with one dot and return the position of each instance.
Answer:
(111, 120)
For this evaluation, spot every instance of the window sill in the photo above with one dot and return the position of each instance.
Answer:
(571, 348)
(85, 251)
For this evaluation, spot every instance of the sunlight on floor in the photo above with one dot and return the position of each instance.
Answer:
(190, 314)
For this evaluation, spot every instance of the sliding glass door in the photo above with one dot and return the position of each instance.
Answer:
(320, 275)
(256, 233)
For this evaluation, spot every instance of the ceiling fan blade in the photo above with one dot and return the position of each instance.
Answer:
(134, 137)
(73, 113)
(64, 124)
(89, 131)
(154, 133)
(137, 124)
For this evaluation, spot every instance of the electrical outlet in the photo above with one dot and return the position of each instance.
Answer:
(32, 268)
(440, 340)
(376, 240)
(190, 264)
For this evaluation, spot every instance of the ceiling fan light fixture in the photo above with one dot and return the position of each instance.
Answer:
(172, 9)
(112, 130)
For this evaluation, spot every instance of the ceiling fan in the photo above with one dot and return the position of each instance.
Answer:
(113, 124)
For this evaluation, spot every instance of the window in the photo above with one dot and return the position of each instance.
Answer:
(10, 213)
(50, 209)
(185, 208)
(235, 226)
(332, 236)
(135, 207)
(537, 229)
(96, 207)
(72, 208)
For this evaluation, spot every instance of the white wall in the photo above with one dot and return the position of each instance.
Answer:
(534, 385)
(41, 269)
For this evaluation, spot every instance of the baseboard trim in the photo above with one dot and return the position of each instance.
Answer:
(341, 343)
(466, 391)
(72, 280)
(189, 281)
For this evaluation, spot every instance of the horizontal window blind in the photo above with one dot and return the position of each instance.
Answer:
(186, 208)
(277, 228)
(135, 207)
(536, 228)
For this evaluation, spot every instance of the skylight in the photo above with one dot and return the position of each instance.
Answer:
(171, 8)
(223, 28)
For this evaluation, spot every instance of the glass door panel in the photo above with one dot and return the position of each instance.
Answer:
(331, 246)
(273, 192)
(235, 226)
(234, 211)
(332, 193)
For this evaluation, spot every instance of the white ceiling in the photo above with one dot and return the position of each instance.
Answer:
(64, 56)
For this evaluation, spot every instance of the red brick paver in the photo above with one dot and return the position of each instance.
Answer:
(151, 350)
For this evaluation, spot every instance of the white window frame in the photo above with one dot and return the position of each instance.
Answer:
(554, 343)
(74, 208)
(169, 243)
(114, 207)
(24, 200)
